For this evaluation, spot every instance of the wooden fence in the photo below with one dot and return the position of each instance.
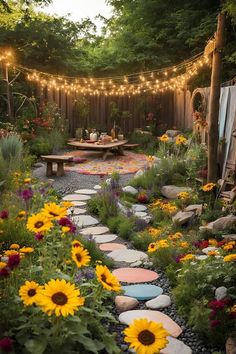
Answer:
(170, 109)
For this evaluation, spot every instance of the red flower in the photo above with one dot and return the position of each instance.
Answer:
(4, 272)
(13, 261)
(216, 304)
(142, 198)
(215, 323)
(38, 236)
(6, 344)
(4, 214)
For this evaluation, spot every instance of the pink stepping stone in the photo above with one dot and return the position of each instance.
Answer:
(112, 246)
(135, 275)
(172, 327)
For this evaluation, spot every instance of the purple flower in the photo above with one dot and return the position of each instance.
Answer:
(4, 214)
(27, 194)
(67, 222)
(6, 344)
(13, 261)
(38, 236)
(4, 272)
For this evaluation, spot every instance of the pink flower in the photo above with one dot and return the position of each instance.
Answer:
(13, 261)
(6, 344)
(38, 236)
(4, 214)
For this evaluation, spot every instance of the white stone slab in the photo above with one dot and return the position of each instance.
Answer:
(77, 203)
(105, 238)
(97, 230)
(76, 211)
(175, 346)
(140, 214)
(208, 249)
(129, 256)
(85, 220)
(130, 189)
(86, 191)
(97, 187)
(79, 197)
(138, 207)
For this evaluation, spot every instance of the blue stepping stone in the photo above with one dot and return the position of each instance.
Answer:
(142, 291)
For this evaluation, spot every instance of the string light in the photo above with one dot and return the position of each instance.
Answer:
(159, 80)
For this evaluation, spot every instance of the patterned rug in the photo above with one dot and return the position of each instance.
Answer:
(129, 163)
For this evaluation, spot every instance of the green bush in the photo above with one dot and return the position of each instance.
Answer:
(11, 147)
(142, 240)
(41, 145)
(121, 225)
(147, 142)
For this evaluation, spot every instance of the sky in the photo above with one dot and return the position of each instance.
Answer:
(79, 9)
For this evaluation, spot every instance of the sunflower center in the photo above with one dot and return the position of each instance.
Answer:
(38, 224)
(31, 292)
(78, 257)
(146, 337)
(59, 298)
(104, 279)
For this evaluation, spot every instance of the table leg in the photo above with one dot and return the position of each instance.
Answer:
(121, 150)
(49, 170)
(105, 154)
(60, 169)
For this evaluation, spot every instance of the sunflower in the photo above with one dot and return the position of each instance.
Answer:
(107, 279)
(67, 204)
(76, 244)
(21, 215)
(39, 223)
(27, 180)
(60, 298)
(152, 247)
(230, 258)
(164, 138)
(180, 140)
(3, 265)
(187, 257)
(146, 337)
(28, 292)
(14, 246)
(54, 211)
(80, 256)
(9, 253)
(208, 187)
(183, 195)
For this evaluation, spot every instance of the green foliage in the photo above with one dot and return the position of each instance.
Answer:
(95, 253)
(147, 142)
(11, 148)
(41, 145)
(142, 240)
(121, 225)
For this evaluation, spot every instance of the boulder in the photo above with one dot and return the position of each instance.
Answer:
(230, 237)
(171, 133)
(171, 192)
(220, 224)
(130, 189)
(122, 208)
(183, 217)
(220, 293)
(230, 345)
(139, 173)
(125, 303)
(196, 208)
(159, 302)
(208, 249)
(176, 346)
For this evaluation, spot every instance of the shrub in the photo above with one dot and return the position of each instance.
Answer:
(41, 145)
(11, 147)
(142, 240)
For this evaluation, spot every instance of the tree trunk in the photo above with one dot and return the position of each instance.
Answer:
(8, 94)
(213, 132)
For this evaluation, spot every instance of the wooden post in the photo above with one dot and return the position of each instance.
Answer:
(8, 93)
(213, 132)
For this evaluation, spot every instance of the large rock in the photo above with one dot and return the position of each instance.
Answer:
(176, 346)
(230, 345)
(130, 189)
(139, 173)
(171, 192)
(220, 224)
(171, 133)
(159, 302)
(230, 237)
(183, 217)
(125, 303)
(209, 249)
(220, 293)
(196, 208)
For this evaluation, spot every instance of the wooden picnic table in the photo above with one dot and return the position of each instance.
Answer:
(105, 148)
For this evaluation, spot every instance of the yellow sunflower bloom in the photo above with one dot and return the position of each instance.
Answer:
(39, 223)
(152, 247)
(10, 253)
(162, 244)
(208, 187)
(14, 246)
(60, 298)
(228, 247)
(212, 253)
(67, 204)
(164, 138)
(230, 258)
(76, 244)
(27, 180)
(54, 211)
(212, 242)
(183, 244)
(187, 257)
(65, 229)
(3, 265)
(107, 279)
(180, 140)
(146, 337)
(26, 249)
(28, 292)
(21, 214)
(80, 256)
(183, 195)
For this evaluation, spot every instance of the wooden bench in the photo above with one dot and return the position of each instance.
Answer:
(59, 160)
(131, 146)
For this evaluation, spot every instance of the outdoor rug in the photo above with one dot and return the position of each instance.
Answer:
(129, 163)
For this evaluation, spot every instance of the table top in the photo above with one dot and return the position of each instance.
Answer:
(57, 157)
(98, 146)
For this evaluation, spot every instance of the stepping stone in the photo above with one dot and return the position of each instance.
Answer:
(136, 264)
(85, 220)
(97, 230)
(104, 238)
(76, 211)
(112, 246)
(140, 214)
(135, 275)
(142, 291)
(86, 191)
(138, 207)
(77, 203)
(201, 257)
(125, 303)
(208, 249)
(128, 256)
(172, 327)
(79, 197)
(130, 189)
(97, 187)
(159, 302)
(176, 346)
